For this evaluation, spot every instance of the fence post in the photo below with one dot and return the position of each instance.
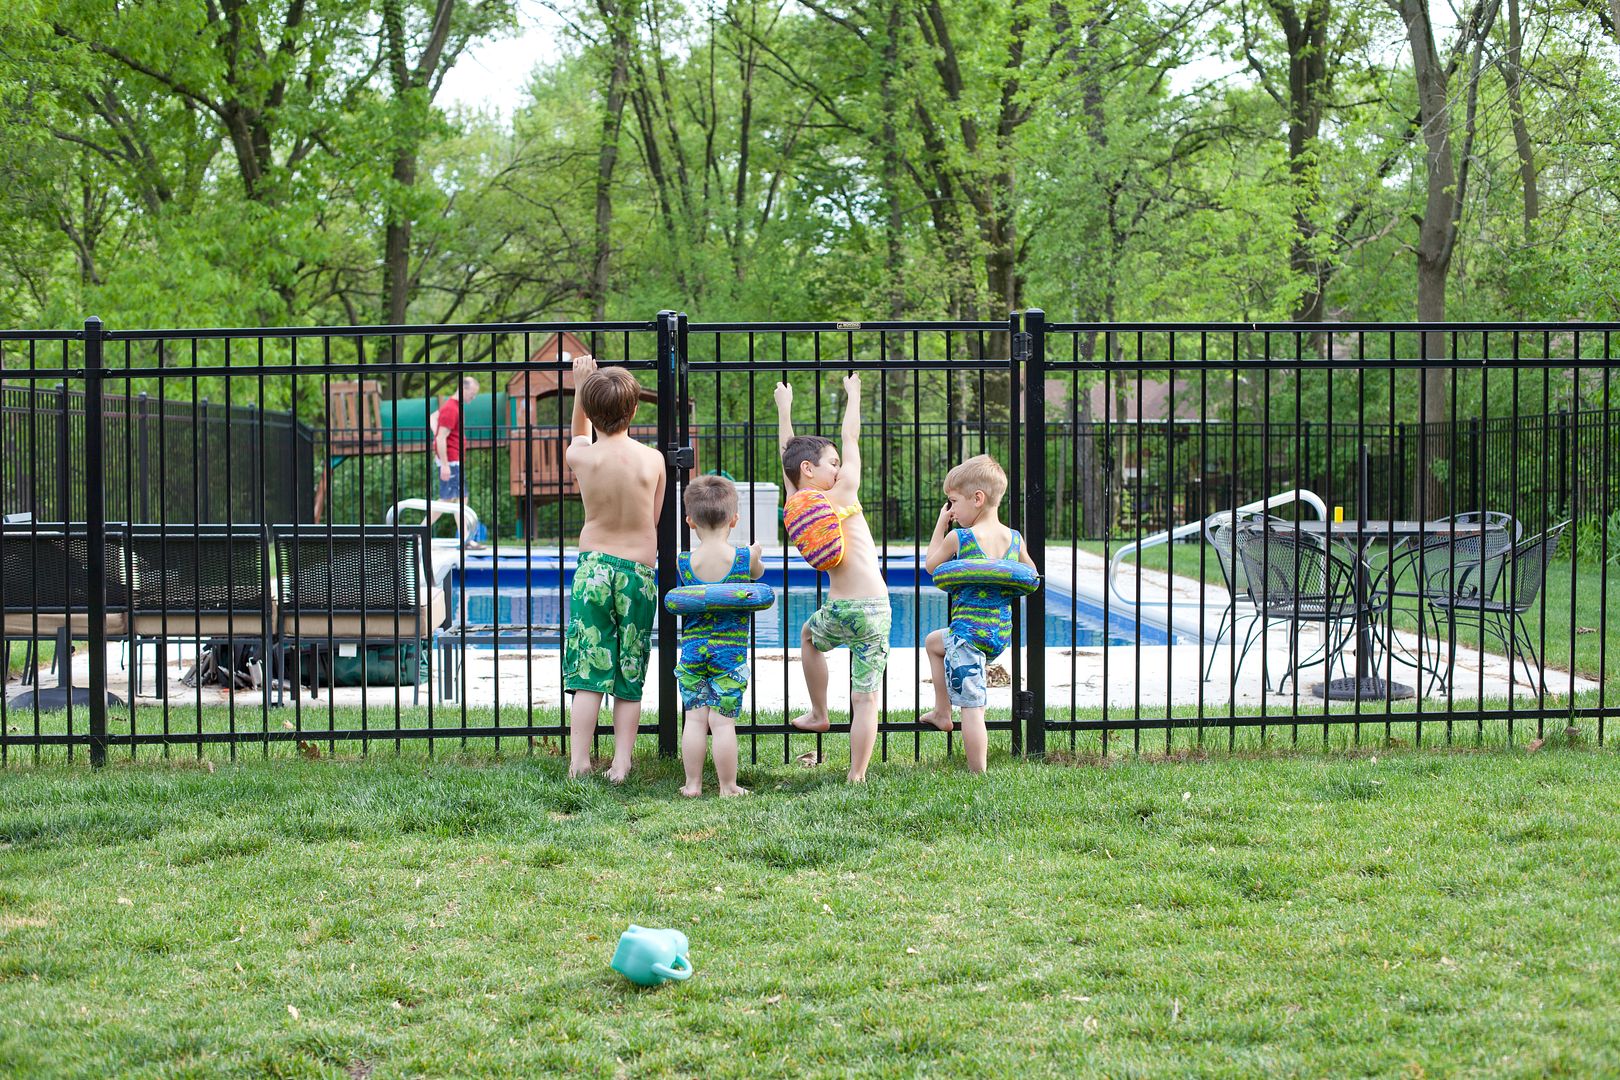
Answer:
(95, 507)
(141, 411)
(206, 512)
(1563, 462)
(669, 373)
(64, 454)
(1034, 374)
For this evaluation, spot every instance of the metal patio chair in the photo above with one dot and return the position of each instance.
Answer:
(1220, 532)
(45, 585)
(1420, 553)
(1501, 607)
(1446, 568)
(1298, 579)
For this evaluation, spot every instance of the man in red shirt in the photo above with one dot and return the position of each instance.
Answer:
(447, 449)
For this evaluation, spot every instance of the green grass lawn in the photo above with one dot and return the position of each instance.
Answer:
(17, 653)
(1375, 912)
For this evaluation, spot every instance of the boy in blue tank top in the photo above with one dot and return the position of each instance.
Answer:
(712, 667)
(981, 621)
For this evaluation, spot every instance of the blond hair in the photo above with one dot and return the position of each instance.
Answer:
(980, 473)
(711, 501)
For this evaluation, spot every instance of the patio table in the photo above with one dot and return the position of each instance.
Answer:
(1359, 536)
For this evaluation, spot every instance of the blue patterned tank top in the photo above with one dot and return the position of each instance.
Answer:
(721, 629)
(981, 616)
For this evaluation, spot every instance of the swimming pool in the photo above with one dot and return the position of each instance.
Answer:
(515, 590)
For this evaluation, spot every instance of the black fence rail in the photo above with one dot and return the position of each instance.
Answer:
(743, 451)
(232, 564)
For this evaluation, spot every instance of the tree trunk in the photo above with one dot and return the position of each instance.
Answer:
(894, 249)
(1513, 76)
(607, 157)
(408, 81)
(894, 252)
(1088, 476)
(1307, 84)
(397, 246)
(1437, 229)
(1428, 494)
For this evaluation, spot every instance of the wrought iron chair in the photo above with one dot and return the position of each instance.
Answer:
(1298, 579)
(1444, 567)
(1501, 607)
(1220, 532)
(1410, 552)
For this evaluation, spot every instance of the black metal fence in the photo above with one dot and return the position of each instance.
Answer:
(1162, 472)
(147, 498)
(175, 459)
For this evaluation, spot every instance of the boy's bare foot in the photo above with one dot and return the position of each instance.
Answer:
(576, 771)
(618, 774)
(810, 722)
(692, 791)
(857, 778)
(936, 718)
(732, 791)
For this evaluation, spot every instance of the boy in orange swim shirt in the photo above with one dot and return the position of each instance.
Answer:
(857, 612)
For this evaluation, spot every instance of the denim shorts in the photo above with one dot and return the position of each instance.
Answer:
(453, 489)
(964, 673)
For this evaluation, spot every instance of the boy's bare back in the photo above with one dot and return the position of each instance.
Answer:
(859, 574)
(621, 483)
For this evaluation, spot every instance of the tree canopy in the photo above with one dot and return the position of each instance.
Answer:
(286, 162)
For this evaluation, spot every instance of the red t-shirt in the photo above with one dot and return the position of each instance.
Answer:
(450, 421)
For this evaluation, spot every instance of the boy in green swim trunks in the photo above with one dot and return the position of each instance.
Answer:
(857, 610)
(615, 592)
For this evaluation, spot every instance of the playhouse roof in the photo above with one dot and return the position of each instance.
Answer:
(544, 383)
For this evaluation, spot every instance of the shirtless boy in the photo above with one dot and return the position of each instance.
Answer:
(857, 610)
(615, 593)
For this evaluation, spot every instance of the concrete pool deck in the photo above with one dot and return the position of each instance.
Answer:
(1150, 675)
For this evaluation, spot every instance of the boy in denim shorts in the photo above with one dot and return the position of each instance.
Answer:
(981, 622)
(856, 613)
(615, 592)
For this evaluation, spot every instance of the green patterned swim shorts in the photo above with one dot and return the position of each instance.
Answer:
(861, 624)
(610, 618)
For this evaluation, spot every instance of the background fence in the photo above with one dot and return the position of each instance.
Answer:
(228, 429)
(164, 458)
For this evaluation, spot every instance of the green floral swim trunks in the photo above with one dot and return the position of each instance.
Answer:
(610, 618)
(861, 624)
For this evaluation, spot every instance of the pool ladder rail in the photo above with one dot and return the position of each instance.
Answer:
(1193, 528)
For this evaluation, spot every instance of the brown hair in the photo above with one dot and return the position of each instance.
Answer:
(800, 449)
(979, 473)
(610, 397)
(711, 501)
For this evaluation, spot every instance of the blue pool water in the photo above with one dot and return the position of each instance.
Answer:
(514, 590)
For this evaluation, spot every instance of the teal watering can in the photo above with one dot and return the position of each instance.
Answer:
(650, 957)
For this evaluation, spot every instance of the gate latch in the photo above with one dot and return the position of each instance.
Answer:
(1024, 705)
(1022, 345)
(683, 457)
